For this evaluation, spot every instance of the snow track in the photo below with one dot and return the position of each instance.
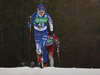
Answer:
(48, 71)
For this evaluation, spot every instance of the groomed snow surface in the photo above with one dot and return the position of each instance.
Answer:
(48, 71)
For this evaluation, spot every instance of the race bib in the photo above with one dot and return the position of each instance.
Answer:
(41, 20)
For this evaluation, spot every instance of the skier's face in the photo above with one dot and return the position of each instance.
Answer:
(41, 13)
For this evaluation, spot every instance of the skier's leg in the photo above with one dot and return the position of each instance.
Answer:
(51, 51)
(44, 41)
(51, 60)
(44, 54)
(37, 36)
(38, 46)
(44, 50)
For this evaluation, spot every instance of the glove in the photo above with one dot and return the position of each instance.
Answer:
(28, 24)
(51, 33)
(58, 49)
(30, 17)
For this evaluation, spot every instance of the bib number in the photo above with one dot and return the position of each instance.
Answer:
(40, 24)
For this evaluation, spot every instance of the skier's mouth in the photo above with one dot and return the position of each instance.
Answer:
(41, 13)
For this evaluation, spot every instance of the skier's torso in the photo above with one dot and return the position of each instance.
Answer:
(40, 23)
(50, 40)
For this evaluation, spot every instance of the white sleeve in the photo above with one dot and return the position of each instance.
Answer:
(51, 27)
(50, 23)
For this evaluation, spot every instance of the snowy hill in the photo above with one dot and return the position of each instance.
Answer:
(48, 71)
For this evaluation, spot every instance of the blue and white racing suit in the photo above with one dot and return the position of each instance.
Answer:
(40, 32)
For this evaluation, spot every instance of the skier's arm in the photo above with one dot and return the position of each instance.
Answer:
(50, 23)
(32, 20)
(56, 40)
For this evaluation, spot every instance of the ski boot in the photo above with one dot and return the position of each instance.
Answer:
(45, 64)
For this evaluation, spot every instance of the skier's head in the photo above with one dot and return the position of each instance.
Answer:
(41, 9)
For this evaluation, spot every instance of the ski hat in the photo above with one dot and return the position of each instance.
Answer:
(41, 7)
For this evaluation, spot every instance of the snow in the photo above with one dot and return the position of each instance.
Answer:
(48, 71)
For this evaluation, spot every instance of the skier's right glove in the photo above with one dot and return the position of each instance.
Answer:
(28, 24)
(51, 33)
(30, 17)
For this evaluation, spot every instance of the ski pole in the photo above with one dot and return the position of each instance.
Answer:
(29, 36)
(58, 58)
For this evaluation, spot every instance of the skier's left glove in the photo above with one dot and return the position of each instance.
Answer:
(51, 33)
(30, 17)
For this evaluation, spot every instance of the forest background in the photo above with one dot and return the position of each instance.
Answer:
(76, 24)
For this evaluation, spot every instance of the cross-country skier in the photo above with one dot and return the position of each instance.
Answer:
(39, 19)
(50, 46)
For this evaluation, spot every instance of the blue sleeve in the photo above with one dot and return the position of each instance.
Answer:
(33, 18)
(49, 19)
(50, 23)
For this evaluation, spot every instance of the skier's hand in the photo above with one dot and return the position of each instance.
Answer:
(51, 33)
(30, 17)
(28, 24)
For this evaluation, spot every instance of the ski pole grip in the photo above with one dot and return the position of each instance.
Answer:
(30, 17)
